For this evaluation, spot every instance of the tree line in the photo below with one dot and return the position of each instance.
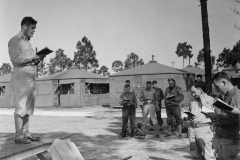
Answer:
(84, 58)
(224, 59)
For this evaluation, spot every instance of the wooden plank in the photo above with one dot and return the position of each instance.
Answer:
(75, 151)
(61, 149)
(11, 151)
(47, 138)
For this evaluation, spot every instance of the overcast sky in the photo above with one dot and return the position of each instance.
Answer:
(118, 27)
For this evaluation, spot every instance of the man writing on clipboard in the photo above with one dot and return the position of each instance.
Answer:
(23, 79)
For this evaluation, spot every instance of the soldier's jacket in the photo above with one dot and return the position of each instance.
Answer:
(129, 95)
(149, 94)
(177, 92)
(160, 95)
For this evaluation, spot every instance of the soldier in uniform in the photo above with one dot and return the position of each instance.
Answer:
(129, 103)
(23, 79)
(173, 97)
(150, 105)
(160, 97)
(227, 122)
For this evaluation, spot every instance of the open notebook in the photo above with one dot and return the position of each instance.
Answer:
(222, 105)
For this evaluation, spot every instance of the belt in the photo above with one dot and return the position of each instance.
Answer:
(148, 101)
(199, 125)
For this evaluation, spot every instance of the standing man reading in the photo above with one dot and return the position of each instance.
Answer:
(173, 98)
(23, 79)
(129, 103)
(150, 105)
(227, 123)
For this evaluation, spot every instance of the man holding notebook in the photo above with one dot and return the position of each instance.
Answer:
(23, 79)
(129, 103)
(173, 98)
(150, 104)
(227, 123)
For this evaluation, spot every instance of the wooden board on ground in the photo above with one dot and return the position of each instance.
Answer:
(10, 150)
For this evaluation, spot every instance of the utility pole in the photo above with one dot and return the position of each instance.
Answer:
(206, 44)
(36, 67)
(173, 64)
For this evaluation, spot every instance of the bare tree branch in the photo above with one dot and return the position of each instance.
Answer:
(235, 9)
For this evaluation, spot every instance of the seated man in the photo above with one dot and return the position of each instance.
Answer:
(200, 133)
(129, 103)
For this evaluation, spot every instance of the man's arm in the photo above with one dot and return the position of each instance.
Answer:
(135, 100)
(236, 99)
(121, 100)
(15, 53)
(155, 98)
(180, 96)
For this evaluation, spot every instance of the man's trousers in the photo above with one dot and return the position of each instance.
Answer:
(128, 111)
(227, 148)
(21, 126)
(174, 111)
(149, 109)
(201, 142)
(159, 117)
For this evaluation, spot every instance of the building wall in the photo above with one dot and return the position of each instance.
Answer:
(93, 99)
(44, 93)
(70, 100)
(139, 82)
(6, 100)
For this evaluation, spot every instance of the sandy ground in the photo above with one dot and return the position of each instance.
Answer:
(96, 134)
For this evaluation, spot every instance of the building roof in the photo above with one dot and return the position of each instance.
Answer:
(149, 69)
(72, 73)
(194, 70)
(5, 78)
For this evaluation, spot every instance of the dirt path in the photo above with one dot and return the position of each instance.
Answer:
(97, 136)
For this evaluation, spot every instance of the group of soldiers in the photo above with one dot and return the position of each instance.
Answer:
(213, 131)
(152, 97)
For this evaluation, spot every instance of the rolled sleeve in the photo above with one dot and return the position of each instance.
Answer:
(237, 100)
(15, 52)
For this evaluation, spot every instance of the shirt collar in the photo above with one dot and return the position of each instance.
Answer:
(22, 36)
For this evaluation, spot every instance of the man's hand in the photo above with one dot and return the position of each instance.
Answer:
(190, 118)
(121, 103)
(38, 57)
(235, 110)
